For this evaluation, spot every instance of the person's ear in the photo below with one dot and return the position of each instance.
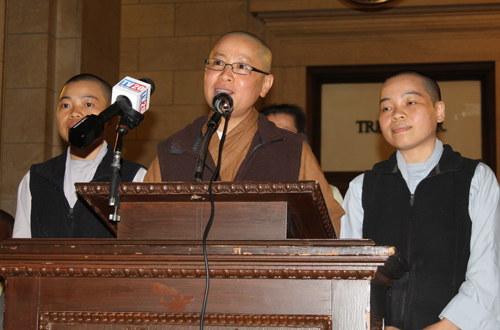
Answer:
(268, 83)
(440, 111)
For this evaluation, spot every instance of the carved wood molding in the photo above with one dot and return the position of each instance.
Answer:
(189, 273)
(47, 319)
(323, 210)
(233, 187)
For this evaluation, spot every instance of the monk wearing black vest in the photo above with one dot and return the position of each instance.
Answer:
(47, 203)
(439, 209)
(255, 149)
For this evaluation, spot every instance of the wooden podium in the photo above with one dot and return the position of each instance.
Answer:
(243, 210)
(144, 285)
(273, 264)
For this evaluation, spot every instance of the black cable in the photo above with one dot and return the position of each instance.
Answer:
(211, 219)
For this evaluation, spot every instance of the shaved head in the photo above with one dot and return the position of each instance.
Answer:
(265, 53)
(430, 85)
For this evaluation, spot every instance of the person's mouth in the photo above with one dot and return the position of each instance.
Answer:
(400, 129)
(73, 123)
(223, 90)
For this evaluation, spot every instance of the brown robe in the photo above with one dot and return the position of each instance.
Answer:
(236, 147)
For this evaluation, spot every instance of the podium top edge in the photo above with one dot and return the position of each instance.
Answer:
(219, 187)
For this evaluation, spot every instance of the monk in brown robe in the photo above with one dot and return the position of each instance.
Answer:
(255, 149)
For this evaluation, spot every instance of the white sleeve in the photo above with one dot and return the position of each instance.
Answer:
(477, 304)
(22, 222)
(352, 221)
(139, 176)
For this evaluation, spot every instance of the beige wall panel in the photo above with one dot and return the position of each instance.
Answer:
(274, 93)
(17, 160)
(256, 26)
(162, 121)
(299, 5)
(163, 1)
(293, 5)
(66, 27)
(50, 119)
(391, 51)
(188, 86)
(25, 114)
(159, 54)
(2, 35)
(463, 114)
(27, 16)
(289, 86)
(26, 61)
(8, 205)
(129, 54)
(416, 3)
(147, 20)
(99, 63)
(2, 65)
(101, 18)
(56, 139)
(67, 60)
(209, 18)
(51, 62)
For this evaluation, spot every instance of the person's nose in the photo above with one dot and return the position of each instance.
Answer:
(398, 113)
(76, 112)
(227, 74)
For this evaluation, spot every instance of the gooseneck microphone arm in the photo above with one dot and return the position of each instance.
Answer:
(211, 126)
(222, 103)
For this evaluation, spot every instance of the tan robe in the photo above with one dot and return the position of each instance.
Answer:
(235, 150)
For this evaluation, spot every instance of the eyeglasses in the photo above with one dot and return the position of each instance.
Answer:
(238, 68)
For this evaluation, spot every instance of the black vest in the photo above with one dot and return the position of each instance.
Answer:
(430, 229)
(51, 214)
(274, 155)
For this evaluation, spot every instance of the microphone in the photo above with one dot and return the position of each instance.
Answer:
(138, 91)
(222, 103)
(130, 99)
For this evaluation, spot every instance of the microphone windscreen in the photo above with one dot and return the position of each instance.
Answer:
(137, 91)
(149, 81)
(222, 103)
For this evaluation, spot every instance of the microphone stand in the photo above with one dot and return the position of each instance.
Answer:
(114, 196)
(212, 124)
(130, 119)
